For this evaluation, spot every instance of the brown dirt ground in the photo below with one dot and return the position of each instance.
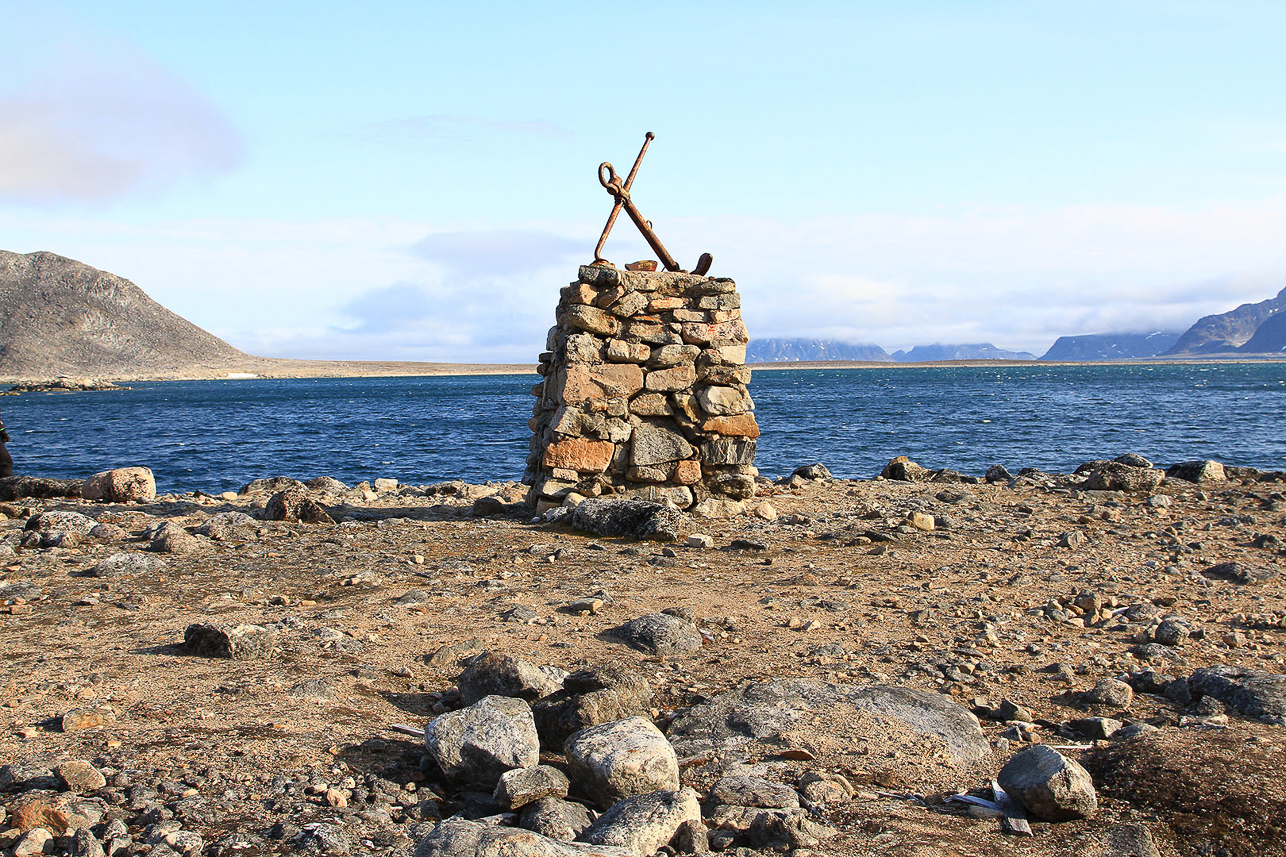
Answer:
(893, 607)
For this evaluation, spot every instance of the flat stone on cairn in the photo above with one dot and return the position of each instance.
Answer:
(644, 394)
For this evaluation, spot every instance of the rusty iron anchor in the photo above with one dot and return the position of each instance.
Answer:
(620, 192)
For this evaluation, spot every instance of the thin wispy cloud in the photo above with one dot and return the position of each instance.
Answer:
(93, 122)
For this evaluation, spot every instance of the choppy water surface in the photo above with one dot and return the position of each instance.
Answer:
(218, 435)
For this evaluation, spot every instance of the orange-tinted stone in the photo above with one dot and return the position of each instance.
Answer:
(579, 454)
(741, 425)
(687, 472)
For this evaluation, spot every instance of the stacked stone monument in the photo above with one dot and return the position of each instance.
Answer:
(644, 394)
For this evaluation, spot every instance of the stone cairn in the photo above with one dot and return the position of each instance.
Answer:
(644, 394)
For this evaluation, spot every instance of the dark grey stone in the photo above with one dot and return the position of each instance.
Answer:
(1240, 573)
(475, 745)
(659, 634)
(1051, 786)
(637, 519)
(761, 712)
(495, 674)
(1252, 692)
(558, 819)
(241, 642)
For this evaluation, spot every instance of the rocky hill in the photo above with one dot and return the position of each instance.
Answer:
(61, 317)
(1111, 346)
(1227, 332)
(979, 351)
(1269, 338)
(803, 350)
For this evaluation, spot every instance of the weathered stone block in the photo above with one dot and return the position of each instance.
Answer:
(584, 348)
(620, 351)
(673, 355)
(632, 304)
(580, 383)
(741, 425)
(599, 275)
(687, 472)
(653, 444)
(698, 333)
(671, 380)
(724, 401)
(729, 450)
(651, 405)
(592, 319)
(579, 454)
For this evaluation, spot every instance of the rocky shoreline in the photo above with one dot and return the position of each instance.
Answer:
(925, 663)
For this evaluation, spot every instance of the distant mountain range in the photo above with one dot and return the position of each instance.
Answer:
(802, 350)
(979, 351)
(1111, 346)
(1235, 331)
(1250, 329)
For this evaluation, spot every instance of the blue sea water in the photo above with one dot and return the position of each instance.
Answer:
(218, 435)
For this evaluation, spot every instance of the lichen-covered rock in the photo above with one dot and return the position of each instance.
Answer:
(1197, 471)
(521, 786)
(555, 818)
(1115, 476)
(475, 745)
(295, 504)
(127, 565)
(458, 837)
(1252, 692)
(660, 634)
(642, 824)
(1051, 786)
(496, 674)
(122, 485)
(617, 760)
(239, 642)
(631, 519)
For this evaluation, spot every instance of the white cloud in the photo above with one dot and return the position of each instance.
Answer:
(92, 121)
(395, 289)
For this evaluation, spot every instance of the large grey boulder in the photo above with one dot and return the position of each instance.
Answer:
(740, 790)
(644, 823)
(763, 719)
(1114, 476)
(225, 526)
(127, 565)
(1252, 692)
(660, 634)
(556, 818)
(238, 642)
(61, 522)
(589, 697)
(1197, 471)
(122, 485)
(617, 760)
(475, 745)
(522, 786)
(637, 519)
(496, 674)
(1051, 786)
(457, 837)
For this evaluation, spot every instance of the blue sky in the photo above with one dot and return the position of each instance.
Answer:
(416, 180)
